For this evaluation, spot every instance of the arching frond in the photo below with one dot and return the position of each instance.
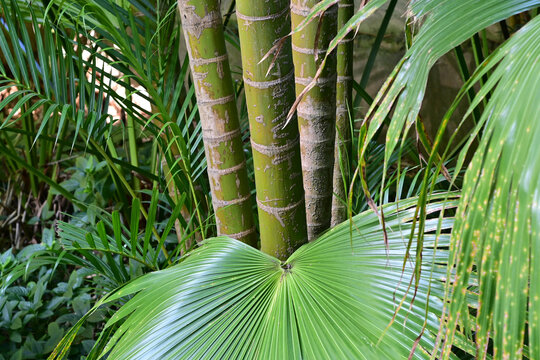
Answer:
(497, 232)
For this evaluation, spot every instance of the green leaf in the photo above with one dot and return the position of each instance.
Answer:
(16, 324)
(6, 258)
(134, 225)
(497, 230)
(81, 304)
(55, 335)
(333, 298)
(15, 337)
(151, 219)
(117, 229)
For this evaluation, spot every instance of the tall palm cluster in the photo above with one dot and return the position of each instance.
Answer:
(254, 211)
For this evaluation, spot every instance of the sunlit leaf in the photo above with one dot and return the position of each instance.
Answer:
(333, 298)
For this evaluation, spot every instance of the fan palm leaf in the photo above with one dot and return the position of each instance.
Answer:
(334, 298)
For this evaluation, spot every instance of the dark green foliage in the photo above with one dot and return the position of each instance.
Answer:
(37, 310)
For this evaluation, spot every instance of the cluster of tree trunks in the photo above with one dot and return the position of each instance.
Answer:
(301, 164)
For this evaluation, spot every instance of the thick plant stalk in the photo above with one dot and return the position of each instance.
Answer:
(316, 111)
(343, 107)
(203, 32)
(276, 153)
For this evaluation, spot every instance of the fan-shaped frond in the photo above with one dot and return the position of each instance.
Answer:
(333, 298)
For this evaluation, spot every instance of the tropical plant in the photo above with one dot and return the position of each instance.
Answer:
(38, 311)
(502, 164)
(396, 280)
(497, 229)
(330, 298)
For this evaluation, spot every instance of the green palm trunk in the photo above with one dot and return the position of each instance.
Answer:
(276, 154)
(316, 112)
(203, 32)
(343, 101)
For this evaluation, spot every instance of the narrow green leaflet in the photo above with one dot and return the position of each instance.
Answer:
(498, 222)
(446, 25)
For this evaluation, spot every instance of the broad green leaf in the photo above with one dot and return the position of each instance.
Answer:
(333, 298)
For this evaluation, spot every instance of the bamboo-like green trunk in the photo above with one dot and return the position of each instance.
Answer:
(343, 107)
(276, 153)
(316, 111)
(203, 32)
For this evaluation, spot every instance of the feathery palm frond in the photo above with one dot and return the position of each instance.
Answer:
(497, 232)
(446, 24)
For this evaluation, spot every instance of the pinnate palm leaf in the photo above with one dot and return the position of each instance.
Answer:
(498, 223)
(446, 25)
